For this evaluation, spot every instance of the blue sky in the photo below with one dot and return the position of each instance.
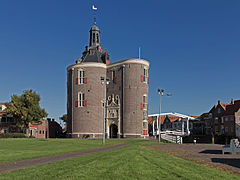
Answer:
(193, 47)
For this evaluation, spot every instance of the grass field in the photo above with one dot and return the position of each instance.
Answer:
(132, 162)
(13, 149)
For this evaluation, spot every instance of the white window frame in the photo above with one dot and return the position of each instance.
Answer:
(81, 76)
(145, 102)
(81, 98)
(145, 74)
(145, 123)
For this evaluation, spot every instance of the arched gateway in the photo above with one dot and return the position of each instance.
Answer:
(113, 117)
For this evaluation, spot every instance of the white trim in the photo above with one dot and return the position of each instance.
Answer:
(130, 134)
(87, 64)
(85, 133)
(128, 61)
(93, 64)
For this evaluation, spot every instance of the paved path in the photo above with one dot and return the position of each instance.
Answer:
(12, 166)
(207, 154)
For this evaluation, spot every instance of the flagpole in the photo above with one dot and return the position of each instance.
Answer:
(139, 53)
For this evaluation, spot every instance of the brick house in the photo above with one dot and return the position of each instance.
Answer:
(44, 129)
(206, 119)
(7, 122)
(223, 119)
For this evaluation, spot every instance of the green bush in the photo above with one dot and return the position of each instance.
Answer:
(13, 135)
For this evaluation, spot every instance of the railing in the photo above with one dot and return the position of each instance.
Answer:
(172, 138)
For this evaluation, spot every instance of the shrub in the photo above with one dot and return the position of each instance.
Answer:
(13, 135)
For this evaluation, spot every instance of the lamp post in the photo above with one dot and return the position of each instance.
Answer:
(161, 93)
(104, 81)
(72, 99)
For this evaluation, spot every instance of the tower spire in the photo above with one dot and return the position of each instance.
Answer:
(94, 15)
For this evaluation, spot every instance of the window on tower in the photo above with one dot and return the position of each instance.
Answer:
(81, 100)
(97, 38)
(144, 77)
(145, 105)
(93, 37)
(145, 74)
(81, 79)
(114, 78)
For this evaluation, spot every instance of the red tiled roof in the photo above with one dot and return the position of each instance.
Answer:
(3, 103)
(150, 120)
(3, 113)
(195, 117)
(173, 118)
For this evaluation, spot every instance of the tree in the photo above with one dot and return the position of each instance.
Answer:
(25, 108)
(64, 118)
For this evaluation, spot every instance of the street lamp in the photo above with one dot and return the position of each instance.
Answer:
(161, 93)
(104, 81)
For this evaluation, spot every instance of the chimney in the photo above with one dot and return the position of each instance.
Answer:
(219, 102)
(232, 101)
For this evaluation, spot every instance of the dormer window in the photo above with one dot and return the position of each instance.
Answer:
(219, 110)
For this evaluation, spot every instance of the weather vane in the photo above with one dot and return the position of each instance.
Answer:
(95, 10)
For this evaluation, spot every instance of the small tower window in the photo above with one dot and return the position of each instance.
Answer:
(145, 75)
(93, 37)
(97, 38)
(81, 98)
(81, 76)
(145, 105)
(113, 76)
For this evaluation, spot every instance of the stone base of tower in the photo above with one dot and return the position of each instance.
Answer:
(87, 135)
(99, 136)
(134, 136)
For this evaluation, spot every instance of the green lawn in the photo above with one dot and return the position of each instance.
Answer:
(13, 149)
(132, 162)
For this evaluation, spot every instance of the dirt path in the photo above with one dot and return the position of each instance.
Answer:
(12, 166)
(209, 155)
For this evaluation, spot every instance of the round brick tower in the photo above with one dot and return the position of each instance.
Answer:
(129, 82)
(85, 90)
(136, 82)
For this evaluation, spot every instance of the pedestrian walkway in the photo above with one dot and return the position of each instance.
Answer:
(12, 166)
(209, 155)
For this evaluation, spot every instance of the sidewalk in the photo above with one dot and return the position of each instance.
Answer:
(209, 155)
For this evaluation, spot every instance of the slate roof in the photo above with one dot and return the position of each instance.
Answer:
(96, 57)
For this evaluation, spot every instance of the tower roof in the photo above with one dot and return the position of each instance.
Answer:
(94, 27)
(94, 52)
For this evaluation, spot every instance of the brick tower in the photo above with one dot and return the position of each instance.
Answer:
(127, 94)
